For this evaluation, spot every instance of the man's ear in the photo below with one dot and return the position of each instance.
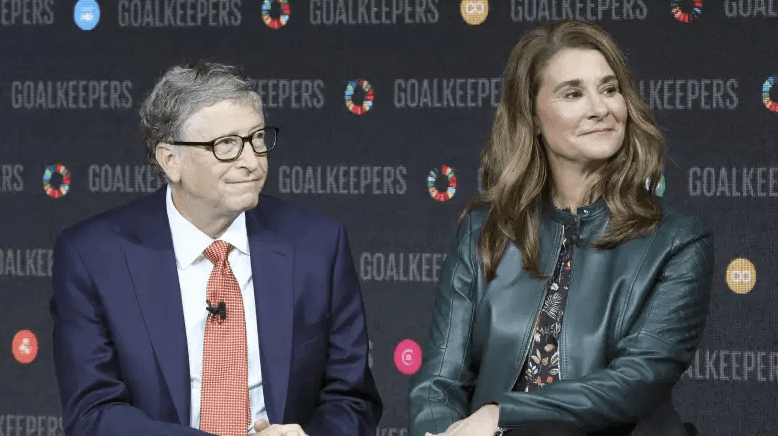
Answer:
(170, 161)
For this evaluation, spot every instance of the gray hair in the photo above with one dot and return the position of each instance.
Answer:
(182, 91)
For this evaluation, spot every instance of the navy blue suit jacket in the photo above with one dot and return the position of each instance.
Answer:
(120, 346)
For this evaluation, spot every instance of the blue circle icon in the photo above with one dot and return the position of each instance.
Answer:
(86, 14)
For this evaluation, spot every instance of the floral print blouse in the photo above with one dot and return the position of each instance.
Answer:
(542, 364)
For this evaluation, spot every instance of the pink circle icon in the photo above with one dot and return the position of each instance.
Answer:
(407, 357)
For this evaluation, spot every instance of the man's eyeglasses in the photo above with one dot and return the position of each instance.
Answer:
(229, 148)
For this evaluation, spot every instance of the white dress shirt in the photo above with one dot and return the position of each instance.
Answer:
(194, 269)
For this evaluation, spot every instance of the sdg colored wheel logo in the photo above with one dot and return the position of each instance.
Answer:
(685, 17)
(275, 23)
(24, 346)
(769, 103)
(367, 102)
(474, 12)
(451, 177)
(64, 186)
(86, 14)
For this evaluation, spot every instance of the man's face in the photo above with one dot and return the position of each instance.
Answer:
(208, 187)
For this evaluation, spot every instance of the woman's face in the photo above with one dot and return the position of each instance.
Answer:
(580, 109)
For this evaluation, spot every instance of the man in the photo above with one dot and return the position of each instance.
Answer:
(205, 308)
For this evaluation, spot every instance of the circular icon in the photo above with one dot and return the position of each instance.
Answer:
(684, 17)
(741, 276)
(771, 104)
(452, 183)
(275, 23)
(367, 102)
(407, 356)
(86, 14)
(25, 346)
(64, 186)
(474, 12)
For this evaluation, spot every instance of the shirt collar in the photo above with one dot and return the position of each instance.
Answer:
(189, 242)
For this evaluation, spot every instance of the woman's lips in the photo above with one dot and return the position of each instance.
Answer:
(598, 131)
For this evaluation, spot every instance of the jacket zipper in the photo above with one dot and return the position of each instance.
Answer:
(537, 312)
(561, 342)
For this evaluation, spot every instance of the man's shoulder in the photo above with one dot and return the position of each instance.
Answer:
(117, 220)
(285, 216)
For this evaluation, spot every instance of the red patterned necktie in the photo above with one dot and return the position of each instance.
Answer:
(224, 399)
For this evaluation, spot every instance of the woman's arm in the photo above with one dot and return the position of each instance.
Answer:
(439, 392)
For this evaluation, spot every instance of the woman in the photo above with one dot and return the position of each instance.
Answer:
(573, 298)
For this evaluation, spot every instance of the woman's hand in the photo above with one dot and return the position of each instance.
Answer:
(481, 423)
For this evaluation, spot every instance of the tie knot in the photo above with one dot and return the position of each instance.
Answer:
(217, 252)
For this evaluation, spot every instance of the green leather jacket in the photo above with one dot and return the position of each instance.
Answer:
(635, 314)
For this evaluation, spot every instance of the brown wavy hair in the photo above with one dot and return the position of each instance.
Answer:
(516, 176)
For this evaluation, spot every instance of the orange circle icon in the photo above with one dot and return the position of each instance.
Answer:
(741, 276)
(474, 12)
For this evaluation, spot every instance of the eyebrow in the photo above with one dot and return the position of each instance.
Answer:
(253, 129)
(577, 82)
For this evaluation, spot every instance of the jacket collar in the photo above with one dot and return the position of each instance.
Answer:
(590, 221)
(585, 213)
(152, 265)
(272, 268)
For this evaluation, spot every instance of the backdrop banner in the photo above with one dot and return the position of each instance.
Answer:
(384, 108)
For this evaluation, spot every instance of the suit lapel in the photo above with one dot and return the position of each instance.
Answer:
(152, 266)
(271, 267)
